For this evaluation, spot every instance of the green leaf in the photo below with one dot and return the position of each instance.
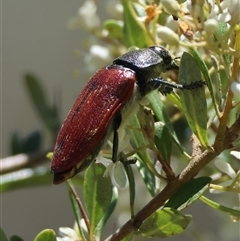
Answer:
(108, 213)
(32, 142)
(188, 193)
(15, 143)
(193, 101)
(28, 144)
(97, 195)
(157, 107)
(46, 235)
(203, 67)
(134, 31)
(48, 114)
(233, 212)
(145, 165)
(147, 176)
(164, 223)
(15, 238)
(2, 235)
(163, 140)
(115, 29)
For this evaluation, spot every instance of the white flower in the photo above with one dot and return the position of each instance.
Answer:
(234, 11)
(98, 57)
(229, 11)
(69, 234)
(88, 13)
(114, 9)
(226, 168)
(235, 87)
(117, 174)
(171, 23)
(87, 17)
(235, 154)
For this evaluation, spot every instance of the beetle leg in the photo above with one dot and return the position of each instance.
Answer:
(116, 123)
(166, 87)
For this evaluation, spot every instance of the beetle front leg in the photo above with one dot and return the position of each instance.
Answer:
(166, 87)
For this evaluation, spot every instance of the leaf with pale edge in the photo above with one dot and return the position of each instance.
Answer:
(188, 193)
(194, 100)
(164, 223)
(46, 235)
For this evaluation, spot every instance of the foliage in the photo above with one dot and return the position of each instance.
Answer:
(206, 36)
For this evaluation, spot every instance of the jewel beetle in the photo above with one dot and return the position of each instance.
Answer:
(111, 96)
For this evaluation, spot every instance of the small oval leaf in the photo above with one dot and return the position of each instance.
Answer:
(188, 193)
(46, 235)
(164, 223)
(15, 238)
(163, 140)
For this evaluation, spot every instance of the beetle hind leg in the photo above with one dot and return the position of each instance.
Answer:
(116, 123)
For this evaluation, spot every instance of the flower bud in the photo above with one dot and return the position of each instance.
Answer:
(210, 26)
(168, 36)
(171, 6)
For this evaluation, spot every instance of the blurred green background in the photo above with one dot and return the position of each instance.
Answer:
(35, 38)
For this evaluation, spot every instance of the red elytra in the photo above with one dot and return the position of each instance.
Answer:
(88, 122)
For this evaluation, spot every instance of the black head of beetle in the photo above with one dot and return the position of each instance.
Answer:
(148, 64)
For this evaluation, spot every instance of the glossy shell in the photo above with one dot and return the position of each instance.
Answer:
(87, 124)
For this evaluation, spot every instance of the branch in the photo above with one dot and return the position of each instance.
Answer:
(12, 163)
(195, 165)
